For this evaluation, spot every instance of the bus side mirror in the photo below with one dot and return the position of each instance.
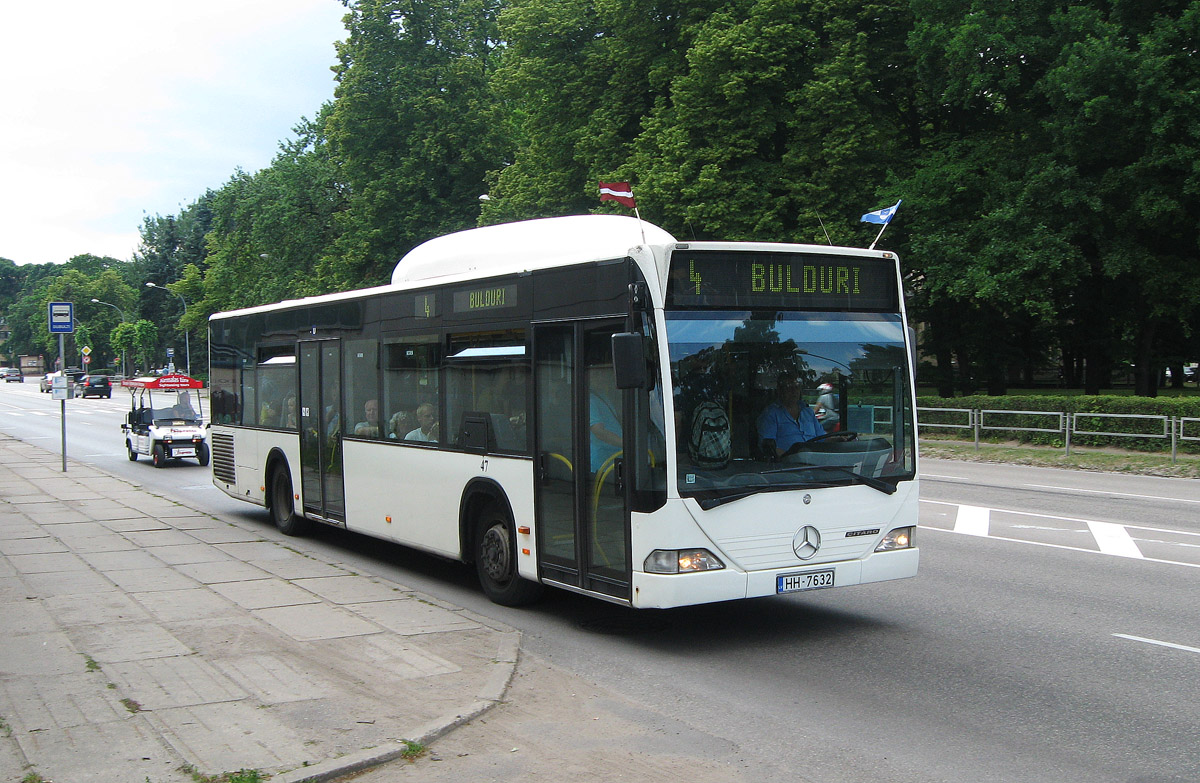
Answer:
(629, 360)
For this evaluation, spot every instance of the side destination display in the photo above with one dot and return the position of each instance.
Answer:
(781, 281)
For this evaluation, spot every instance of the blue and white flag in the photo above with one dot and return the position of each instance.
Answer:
(882, 216)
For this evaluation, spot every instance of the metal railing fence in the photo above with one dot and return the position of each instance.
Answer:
(1068, 425)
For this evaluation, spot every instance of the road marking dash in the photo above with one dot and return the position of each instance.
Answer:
(973, 520)
(1114, 539)
(1172, 645)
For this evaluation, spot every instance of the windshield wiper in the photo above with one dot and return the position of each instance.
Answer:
(714, 497)
(858, 478)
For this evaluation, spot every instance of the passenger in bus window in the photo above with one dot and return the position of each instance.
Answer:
(369, 427)
(290, 419)
(427, 432)
(605, 427)
(787, 421)
(399, 424)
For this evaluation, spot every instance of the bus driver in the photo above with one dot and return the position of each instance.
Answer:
(787, 421)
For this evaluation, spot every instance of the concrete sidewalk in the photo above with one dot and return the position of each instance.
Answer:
(143, 640)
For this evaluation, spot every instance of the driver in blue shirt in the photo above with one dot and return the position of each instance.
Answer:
(788, 421)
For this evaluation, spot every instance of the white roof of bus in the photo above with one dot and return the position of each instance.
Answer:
(529, 244)
(510, 248)
(506, 248)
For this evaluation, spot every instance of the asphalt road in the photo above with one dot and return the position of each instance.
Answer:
(1051, 635)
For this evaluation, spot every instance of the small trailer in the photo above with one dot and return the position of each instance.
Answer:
(165, 419)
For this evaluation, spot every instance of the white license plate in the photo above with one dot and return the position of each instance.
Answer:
(183, 452)
(809, 580)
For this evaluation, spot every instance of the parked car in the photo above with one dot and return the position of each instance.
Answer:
(46, 384)
(94, 386)
(11, 374)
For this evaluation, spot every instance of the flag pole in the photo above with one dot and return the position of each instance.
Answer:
(641, 225)
(877, 236)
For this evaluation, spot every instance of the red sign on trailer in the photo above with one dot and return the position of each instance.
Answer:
(175, 381)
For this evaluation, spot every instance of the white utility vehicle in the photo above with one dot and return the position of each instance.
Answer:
(165, 419)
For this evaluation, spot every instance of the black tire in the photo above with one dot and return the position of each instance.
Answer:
(158, 455)
(283, 510)
(496, 560)
(202, 454)
(132, 454)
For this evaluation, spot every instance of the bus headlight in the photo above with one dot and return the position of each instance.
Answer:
(900, 538)
(681, 561)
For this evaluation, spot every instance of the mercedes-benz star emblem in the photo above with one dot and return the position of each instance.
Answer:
(807, 542)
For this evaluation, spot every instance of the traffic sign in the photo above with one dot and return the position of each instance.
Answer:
(62, 318)
(87, 350)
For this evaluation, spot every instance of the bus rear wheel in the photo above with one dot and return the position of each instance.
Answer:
(283, 511)
(496, 560)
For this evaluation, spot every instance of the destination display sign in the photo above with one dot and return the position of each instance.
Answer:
(747, 280)
(485, 298)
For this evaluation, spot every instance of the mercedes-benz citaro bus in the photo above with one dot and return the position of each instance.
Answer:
(588, 403)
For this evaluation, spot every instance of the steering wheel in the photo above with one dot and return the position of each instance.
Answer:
(842, 436)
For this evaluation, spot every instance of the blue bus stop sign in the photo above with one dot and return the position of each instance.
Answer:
(62, 318)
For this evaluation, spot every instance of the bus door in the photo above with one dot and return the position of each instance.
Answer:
(582, 514)
(321, 427)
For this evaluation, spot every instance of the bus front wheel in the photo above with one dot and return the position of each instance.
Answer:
(283, 511)
(496, 560)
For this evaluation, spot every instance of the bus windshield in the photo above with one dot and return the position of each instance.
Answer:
(770, 401)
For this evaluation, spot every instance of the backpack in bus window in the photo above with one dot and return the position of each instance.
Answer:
(709, 444)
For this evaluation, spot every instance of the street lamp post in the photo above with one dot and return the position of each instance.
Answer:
(186, 342)
(122, 314)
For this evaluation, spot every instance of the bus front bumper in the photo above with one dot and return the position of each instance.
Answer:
(663, 591)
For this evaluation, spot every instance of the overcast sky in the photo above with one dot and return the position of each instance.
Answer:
(112, 110)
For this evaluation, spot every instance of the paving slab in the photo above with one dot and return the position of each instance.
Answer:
(412, 617)
(38, 654)
(351, 589)
(70, 583)
(116, 751)
(179, 681)
(263, 593)
(31, 546)
(222, 571)
(121, 560)
(116, 642)
(146, 580)
(53, 563)
(316, 621)
(183, 554)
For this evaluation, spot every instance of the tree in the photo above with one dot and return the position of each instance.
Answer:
(140, 337)
(413, 129)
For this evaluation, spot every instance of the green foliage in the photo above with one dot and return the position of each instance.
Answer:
(414, 129)
(140, 337)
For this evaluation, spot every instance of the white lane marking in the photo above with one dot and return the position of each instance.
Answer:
(1060, 488)
(1114, 539)
(972, 520)
(1065, 546)
(1114, 494)
(972, 525)
(1172, 645)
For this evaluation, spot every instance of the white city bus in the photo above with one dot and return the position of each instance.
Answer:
(587, 403)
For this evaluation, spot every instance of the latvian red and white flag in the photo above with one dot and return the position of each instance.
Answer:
(619, 192)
